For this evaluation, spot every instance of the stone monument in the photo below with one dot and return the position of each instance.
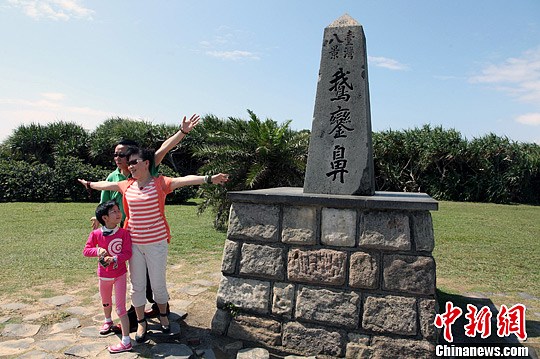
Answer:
(323, 270)
(340, 157)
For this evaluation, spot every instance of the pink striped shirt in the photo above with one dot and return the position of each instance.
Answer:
(146, 224)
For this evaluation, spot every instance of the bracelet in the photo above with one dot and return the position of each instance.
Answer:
(208, 179)
(184, 132)
(88, 183)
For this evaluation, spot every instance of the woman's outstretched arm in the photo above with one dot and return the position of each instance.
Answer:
(100, 185)
(177, 182)
(186, 127)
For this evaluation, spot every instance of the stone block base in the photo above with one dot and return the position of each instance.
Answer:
(340, 276)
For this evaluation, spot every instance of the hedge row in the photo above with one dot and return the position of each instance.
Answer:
(449, 167)
(38, 182)
(42, 163)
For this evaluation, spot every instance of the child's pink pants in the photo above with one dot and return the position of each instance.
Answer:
(106, 288)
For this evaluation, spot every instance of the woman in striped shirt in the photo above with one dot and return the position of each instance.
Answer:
(144, 205)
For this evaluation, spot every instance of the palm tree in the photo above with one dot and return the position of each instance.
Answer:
(256, 154)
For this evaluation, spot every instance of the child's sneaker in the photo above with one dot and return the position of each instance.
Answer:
(119, 348)
(106, 328)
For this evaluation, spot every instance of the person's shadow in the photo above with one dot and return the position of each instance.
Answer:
(494, 340)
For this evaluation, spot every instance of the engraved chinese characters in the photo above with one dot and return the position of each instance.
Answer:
(340, 159)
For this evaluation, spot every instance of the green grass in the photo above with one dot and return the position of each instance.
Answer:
(193, 236)
(478, 247)
(487, 248)
(42, 243)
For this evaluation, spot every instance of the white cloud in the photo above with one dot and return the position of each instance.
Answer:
(54, 96)
(222, 45)
(446, 77)
(224, 39)
(205, 43)
(233, 55)
(53, 9)
(49, 107)
(387, 63)
(532, 119)
(518, 77)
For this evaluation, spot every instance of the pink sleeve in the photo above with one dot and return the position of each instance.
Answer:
(90, 249)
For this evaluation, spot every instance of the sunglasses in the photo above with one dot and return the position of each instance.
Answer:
(121, 155)
(134, 162)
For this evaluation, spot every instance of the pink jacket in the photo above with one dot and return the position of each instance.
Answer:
(117, 244)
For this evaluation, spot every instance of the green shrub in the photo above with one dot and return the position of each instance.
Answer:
(420, 160)
(255, 153)
(181, 195)
(42, 163)
(110, 132)
(448, 167)
(68, 139)
(147, 135)
(41, 143)
(501, 171)
(37, 182)
(20, 181)
(66, 172)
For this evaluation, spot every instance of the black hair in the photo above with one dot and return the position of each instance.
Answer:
(144, 153)
(103, 210)
(125, 142)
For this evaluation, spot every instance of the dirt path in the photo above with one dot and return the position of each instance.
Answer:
(52, 320)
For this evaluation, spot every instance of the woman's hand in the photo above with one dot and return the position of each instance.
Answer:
(188, 125)
(220, 178)
(85, 183)
(100, 185)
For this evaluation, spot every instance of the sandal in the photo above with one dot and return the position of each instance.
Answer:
(142, 338)
(120, 348)
(107, 328)
(165, 328)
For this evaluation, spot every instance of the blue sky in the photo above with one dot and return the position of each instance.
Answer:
(469, 65)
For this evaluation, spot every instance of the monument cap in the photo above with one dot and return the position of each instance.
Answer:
(344, 20)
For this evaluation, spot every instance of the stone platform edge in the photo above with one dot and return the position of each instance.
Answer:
(296, 196)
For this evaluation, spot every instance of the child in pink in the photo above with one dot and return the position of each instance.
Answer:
(113, 247)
